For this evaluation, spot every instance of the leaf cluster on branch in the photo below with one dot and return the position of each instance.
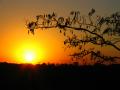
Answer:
(97, 30)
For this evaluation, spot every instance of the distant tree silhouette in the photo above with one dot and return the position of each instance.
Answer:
(81, 31)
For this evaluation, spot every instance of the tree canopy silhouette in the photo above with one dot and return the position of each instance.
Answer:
(81, 31)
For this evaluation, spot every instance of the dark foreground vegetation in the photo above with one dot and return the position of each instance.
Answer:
(58, 77)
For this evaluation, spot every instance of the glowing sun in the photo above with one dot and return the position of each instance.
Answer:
(29, 57)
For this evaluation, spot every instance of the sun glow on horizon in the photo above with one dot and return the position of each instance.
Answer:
(29, 57)
(30, 52)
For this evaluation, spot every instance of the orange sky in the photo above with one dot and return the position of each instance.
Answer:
(47, 45)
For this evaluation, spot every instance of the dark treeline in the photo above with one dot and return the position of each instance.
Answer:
(58, 77)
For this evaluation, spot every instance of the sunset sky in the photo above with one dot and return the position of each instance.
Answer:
(45, 46)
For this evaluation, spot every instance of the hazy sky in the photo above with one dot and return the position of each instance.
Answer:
(14, 13)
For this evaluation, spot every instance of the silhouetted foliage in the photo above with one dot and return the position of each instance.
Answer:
(81, 31)
(58, 77)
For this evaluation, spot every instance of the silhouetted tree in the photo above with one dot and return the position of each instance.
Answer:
(81, 31)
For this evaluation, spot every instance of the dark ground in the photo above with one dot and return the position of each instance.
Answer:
(59, 77)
